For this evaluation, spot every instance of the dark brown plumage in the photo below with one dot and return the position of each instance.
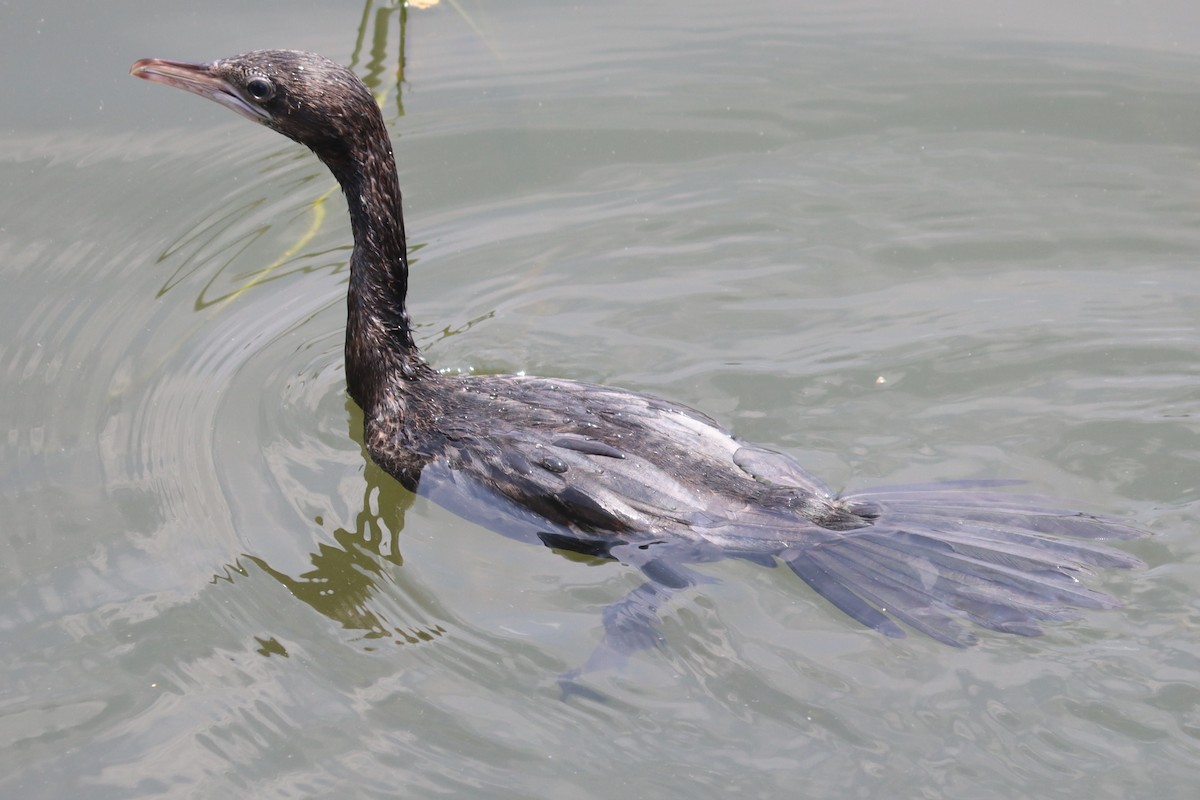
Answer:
(627, 476)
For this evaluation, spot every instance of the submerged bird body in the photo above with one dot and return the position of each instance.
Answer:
(627, 476)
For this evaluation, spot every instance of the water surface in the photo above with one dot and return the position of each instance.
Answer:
(903, 245)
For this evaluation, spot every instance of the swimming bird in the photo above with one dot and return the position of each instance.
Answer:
(631, 477)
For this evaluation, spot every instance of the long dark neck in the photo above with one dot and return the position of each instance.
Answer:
(379, 344)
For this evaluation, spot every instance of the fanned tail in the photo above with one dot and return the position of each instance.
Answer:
(938, 553)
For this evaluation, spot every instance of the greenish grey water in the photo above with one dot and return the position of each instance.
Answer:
(905, 245)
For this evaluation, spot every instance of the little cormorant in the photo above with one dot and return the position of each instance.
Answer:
(631, 477)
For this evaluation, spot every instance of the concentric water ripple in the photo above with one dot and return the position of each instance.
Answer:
(902, 254)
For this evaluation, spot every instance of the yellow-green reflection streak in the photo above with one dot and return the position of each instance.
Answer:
(264, 274)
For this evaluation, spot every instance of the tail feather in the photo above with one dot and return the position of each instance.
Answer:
(984, 579)
(935, 555)
(889, 592)
(1043, 520)
(1023, 512)
(833, 586)
(1022, 547)
(928, 604)
(974, 589)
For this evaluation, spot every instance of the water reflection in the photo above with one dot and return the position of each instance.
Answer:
(346, 572)
(374, 28)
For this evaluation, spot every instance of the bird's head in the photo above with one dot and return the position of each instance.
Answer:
(304, 96)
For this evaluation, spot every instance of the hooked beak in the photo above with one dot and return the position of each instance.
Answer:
(198, 79)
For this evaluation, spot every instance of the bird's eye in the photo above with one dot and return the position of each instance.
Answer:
(260, 88)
